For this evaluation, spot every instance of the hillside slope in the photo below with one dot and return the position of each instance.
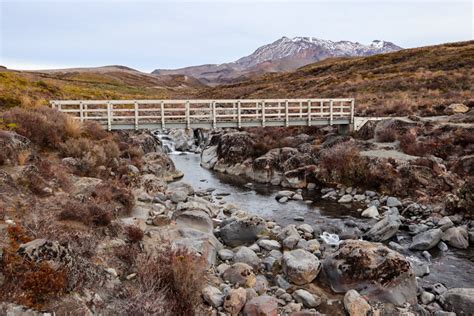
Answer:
(420, 80)
(111, 82)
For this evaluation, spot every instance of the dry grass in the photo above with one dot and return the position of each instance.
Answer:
(72, 127)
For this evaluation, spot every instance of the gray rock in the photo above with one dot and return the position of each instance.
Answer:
(347, 198)
(213, 296)
(458, 300)
(426, 297)
(269, 244)
(297, 197)
(306, 298)
(248, 256)
(179, 196)
(385, 228)
(442, 246)
(261, 284)
(225, 254)
(438, 289)
(262, 305)
(445, 223)
(291, 241)
(221, 268)
(300, 266)
(285, 193)
(393, 202)
(195, 219)
(306, 228)
(283, 199)
(419, 267)
(426, 240)
(456, 237)
(242, 231)
(280, 281)
(370, 212)
(298, 218)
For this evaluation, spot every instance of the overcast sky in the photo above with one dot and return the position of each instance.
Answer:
(147, 35)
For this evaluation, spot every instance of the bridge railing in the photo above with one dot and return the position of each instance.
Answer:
(135, 114)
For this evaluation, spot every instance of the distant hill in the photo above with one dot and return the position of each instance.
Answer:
(285, 54)
(420, 80)
(31, 88)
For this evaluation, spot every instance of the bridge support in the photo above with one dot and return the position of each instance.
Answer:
(345, 129)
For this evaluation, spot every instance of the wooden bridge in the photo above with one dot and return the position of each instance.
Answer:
(161, 114)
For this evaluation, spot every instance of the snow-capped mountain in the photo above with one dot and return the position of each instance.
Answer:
(285, 54)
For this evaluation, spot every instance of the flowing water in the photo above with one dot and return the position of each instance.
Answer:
(454, 268)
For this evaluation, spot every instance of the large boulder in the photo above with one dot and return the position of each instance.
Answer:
(195, 219)
(261, 306)
(456, 108)
(459, 300)
(235, 147)
(385, 228)
(242, 231)
(426, 240)
(209, 157)
(456, 237)
(300, 266)
(183, 139)
(375, 271)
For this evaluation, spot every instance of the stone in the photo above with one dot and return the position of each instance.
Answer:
(240, 274)
(222, 268)
(393, 202)
(297, 197)
(370, 212)
(300, 266)
(248, 256)
(375, 271)
(161, 220)
(306, 298)
(269, 244)
(456, 108)
(285, 193)
(442, 246)
(291, 241)
(261, 284)
(179, 196)
(426, 240)
(438, 289)
(281, 282)
(298, 218)
(43, 249)
(225, 254)
(355, 304)
(261, 306)
(427, 297)
(235, 301)
(283, 200)
(311, 186)
(385, 228)
(445, 223)
(419, 267)
(306, 228)
(213, 296)
(346, 198)
(195, 219)
(458, 300)
(242, 231)
(456, 237)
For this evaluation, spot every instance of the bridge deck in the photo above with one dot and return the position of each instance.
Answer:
(160, 114)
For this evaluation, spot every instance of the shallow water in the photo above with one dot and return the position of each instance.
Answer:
(454, 268)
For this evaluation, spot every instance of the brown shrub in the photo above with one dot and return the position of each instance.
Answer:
(134, 233)
(28, 283)
(43, 126)
(94, 130)
(169, 283)
(342, 163)
(411, 146)
(86, 212)
(113, 192)
(388, 134)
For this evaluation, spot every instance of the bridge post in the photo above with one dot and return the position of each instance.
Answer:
(301, 109)
(188, 119)
(330, 112)
(162, 109)
(135, 105)
(239, 117)
(86, 110)
(81, 111)
(263, 113)
(352, 111)
(109, 115)
(214, 119)
(286, 113)
(309, 112)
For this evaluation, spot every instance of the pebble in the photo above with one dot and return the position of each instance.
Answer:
(298, 218)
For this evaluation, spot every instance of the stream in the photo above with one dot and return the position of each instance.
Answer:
(454, 268)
